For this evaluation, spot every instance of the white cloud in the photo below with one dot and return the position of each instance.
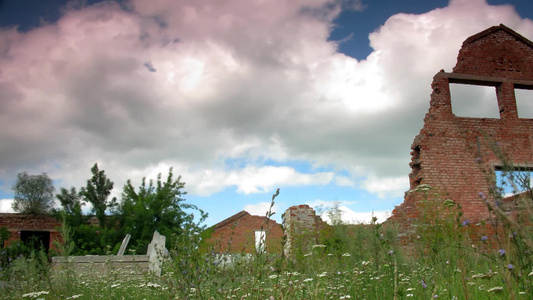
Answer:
(261, 208)
(386, 187)
(5, 206)
(348, 215)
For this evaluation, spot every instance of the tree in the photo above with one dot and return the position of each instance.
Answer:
(97, 193)
(71, 203)
(33, 194)
(155, 207)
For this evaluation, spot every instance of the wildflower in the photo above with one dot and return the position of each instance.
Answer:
(346, 297)
(436, 296)
(482, 196)
(346, 255)
(409, 295)
(484, 238)
(391, 252)
(308, 279)
(273, 276)
(424, 285)
(466, 223)
(495, 289)
(75, 296)
(35, 294)
(501, 252)
(323, 274)
(510, 266)
(319, 246)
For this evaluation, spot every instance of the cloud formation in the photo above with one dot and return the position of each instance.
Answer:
(231, 94)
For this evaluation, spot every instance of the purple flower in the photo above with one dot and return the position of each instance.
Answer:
(466, 223)
(482, 195)
(424, 285)
(510, 266)
(501, 252)
(484, 238)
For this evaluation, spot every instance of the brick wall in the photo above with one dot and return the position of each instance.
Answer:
(16, 223)
(302, 227)
(455, 155)
(237, 234)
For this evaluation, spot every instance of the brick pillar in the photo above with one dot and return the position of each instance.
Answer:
(507, 101)
(301, 228)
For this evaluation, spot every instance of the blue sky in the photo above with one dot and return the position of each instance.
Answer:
(320, 98)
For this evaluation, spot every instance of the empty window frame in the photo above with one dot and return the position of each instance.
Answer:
(513, 180)
(475, 101)
(524, 103)
(260, 240)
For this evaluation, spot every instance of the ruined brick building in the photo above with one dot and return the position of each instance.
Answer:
(26, 228)
(245, 233)
(458, 155)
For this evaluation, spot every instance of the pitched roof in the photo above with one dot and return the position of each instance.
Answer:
(493, 29)
(231, 219)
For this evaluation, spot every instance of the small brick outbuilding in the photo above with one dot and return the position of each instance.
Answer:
(41, 229)
(245, 233)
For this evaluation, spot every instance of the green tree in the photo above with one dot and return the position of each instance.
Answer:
(33, 194)
(97, 193)
(71, 205)
(155, 207)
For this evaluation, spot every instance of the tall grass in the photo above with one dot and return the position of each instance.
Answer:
(446, 260)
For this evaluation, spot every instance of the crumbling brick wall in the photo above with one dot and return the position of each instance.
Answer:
(455, 154)
(236, 234)
(302, 227)
(18, 223)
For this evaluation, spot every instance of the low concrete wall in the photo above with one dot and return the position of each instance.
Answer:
(127, 265)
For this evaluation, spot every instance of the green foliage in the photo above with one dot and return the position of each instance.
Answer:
(71, 206)
(33, 194)
(97, 193)
(4, 235)
(152, 207)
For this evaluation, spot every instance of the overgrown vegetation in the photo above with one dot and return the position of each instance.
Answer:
(446, 257)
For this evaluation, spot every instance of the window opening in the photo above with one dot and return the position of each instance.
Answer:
(513, 181)
(36, 239)
(474, 101)
(524, 103)
(260, 240)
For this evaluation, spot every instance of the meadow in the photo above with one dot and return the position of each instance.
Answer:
(446, 259)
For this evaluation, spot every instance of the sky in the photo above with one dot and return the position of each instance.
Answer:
(320, 98)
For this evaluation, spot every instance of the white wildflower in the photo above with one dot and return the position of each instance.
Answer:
(346, 255)
(495, 289)
(35, 294)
